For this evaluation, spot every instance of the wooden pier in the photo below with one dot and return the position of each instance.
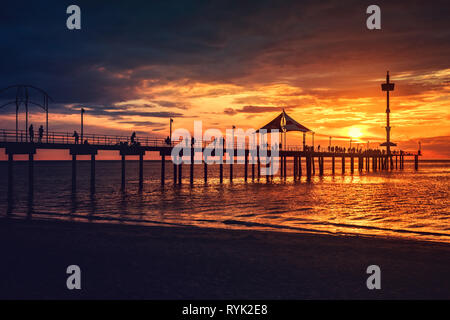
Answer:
(301, 160)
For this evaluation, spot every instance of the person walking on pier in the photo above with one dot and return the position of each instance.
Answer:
(76, 136)
(133, 138)
(31, 132)
(41, 134)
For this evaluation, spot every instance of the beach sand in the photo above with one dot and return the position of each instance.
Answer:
(140, 262)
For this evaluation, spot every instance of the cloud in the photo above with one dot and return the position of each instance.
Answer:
(136, 62)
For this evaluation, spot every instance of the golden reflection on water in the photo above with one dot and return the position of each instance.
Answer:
(403, 203)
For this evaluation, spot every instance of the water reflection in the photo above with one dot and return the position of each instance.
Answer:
(400, 203)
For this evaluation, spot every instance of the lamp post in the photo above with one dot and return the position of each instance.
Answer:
(313, 140)
(232, 133)
(329, 143)
(82, 126)
(171, 121)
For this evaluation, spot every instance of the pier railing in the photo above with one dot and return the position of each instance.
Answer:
(68, 138)
(148, 141)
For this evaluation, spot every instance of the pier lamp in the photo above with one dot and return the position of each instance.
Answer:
(232, 134)
(82, 126)
(171, 121)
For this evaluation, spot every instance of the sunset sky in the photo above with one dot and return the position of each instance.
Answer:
(136, 64)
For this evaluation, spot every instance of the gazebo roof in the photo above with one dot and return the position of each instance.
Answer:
(284, 123)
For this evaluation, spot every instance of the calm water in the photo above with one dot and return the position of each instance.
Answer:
(398, 203)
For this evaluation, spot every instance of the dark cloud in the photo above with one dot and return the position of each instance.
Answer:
(122, 44)
(144, 124)
(255, 109)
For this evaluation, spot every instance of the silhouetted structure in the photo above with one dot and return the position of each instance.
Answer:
(388, 86)
(139, 146)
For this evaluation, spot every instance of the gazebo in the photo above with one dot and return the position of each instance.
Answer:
(285, 123)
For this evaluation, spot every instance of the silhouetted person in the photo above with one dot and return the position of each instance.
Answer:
(41, 133)
(133, 138)
(168, 140)
(31, 132)
(76, 136)
(86, 142)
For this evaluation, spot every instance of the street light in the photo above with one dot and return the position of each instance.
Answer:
(171, 121)
(234, 127)
(82, 126)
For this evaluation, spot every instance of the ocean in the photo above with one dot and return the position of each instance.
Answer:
(399, 203)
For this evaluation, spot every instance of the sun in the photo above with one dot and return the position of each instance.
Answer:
(355, 132)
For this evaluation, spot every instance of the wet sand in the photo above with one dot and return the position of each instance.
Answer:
(137, 262)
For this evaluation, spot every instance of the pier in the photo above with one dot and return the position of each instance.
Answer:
(302, 161)
(302, 157)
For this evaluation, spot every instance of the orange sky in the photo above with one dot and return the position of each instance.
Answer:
(241, 66)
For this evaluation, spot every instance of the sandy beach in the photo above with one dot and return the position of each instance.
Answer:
(137, 262)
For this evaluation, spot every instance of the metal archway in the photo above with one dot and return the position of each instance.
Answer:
(22, 97)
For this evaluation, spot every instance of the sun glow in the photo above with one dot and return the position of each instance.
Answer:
(355, 132)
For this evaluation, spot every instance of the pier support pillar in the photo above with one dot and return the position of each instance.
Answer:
(123, 172)
(396, 162)
(259, 165)
(333, 166)
(313, 165)
(352, 164)
(308, 167)
(299, 167)
(284, 167)
(10, 176)
(231, 167)
(281, 166)
(141, 171)
(343, 164)
(180, 172)
(174, 173)
(191, 167)
(321, 166)
(92, 173)
(30, 174)
(295, 168)
(416, 162)
(246, 166)
(205, 170)
(74, 173)
(253, 168)
(163, 169)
